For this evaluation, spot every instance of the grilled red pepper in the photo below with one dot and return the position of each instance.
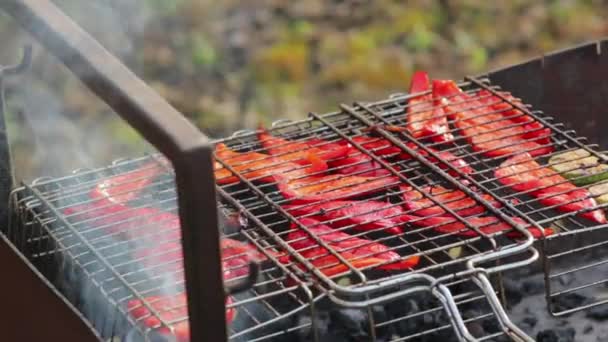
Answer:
(359, 252)
(360, 164)
(425, 117)
(299, 151)
(458, 201)
(533, 129)
(359, 215)
(486, 224)
(523, 173)
(492, 133)
(167, 257)
(452, 159)
(170, 308)
(126, 187)
(261, 167)
(332, 187)
(159, 236)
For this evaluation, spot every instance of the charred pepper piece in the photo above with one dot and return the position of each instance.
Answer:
(170, 308)
(261, 167)
(458, 201)
(522, 173)
(425, 117)
(358, 215)
(487, 131)
(332, 187)
(359, 252)
(299, 151)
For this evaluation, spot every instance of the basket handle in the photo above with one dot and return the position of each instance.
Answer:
(516, 334)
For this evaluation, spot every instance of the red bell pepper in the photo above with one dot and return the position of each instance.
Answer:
(299, 151)
(359, 215)
(425, 117)
(261, 167)
(494, 134)
(523, 173)
(332, 187)
(158, 237)
(533, 129)
(452, 159)
(486, 224)
(359, 163)
(126, 187)
(359, 252)
(170, 308)
(167, 256)
(456, 200)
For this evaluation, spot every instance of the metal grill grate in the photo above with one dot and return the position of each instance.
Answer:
(121, 281)
(262, 201)
(574, 258)
(68, 232)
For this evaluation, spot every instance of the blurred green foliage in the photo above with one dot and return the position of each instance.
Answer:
(232, 64)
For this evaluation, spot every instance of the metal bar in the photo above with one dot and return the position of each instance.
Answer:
(6, 164)
(166, 129)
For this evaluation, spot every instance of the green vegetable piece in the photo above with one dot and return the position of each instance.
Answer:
(579, 166)
(600, 192)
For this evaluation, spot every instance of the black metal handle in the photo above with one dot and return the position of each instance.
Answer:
(167, 130)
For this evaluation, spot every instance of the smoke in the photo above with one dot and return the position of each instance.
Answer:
(61, 126)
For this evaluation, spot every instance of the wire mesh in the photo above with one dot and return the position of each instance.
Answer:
(122, 264)
(574, 256)
(407, 217)
(321, 221)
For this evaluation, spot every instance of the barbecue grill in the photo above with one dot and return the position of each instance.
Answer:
(111, 268)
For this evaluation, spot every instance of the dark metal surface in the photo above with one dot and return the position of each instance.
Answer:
(163, 127)
(569, 84)
(27, 297)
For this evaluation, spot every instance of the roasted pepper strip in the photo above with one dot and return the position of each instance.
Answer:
(158, 234)
(533, 129)
(332, 187)
(167, 256)
(486, 224)
(493, 134)
(424, 117)
(170, 308)
(358, 163)
(126, 187)
(299, 151)
(357, 251)
(458, 201)
(261, 167)
(359, 215)
(522, 173)
(449, 157)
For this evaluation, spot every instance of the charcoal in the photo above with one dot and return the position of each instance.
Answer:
(344, 325)
(420, 322)
(556, 335)
(528, 322)
(569, 301)
(599, 313)
(491, 325)
(587, 329)
(566, 279)
(603, 337)
(321, 324)
(515, 290)
(532, 287)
